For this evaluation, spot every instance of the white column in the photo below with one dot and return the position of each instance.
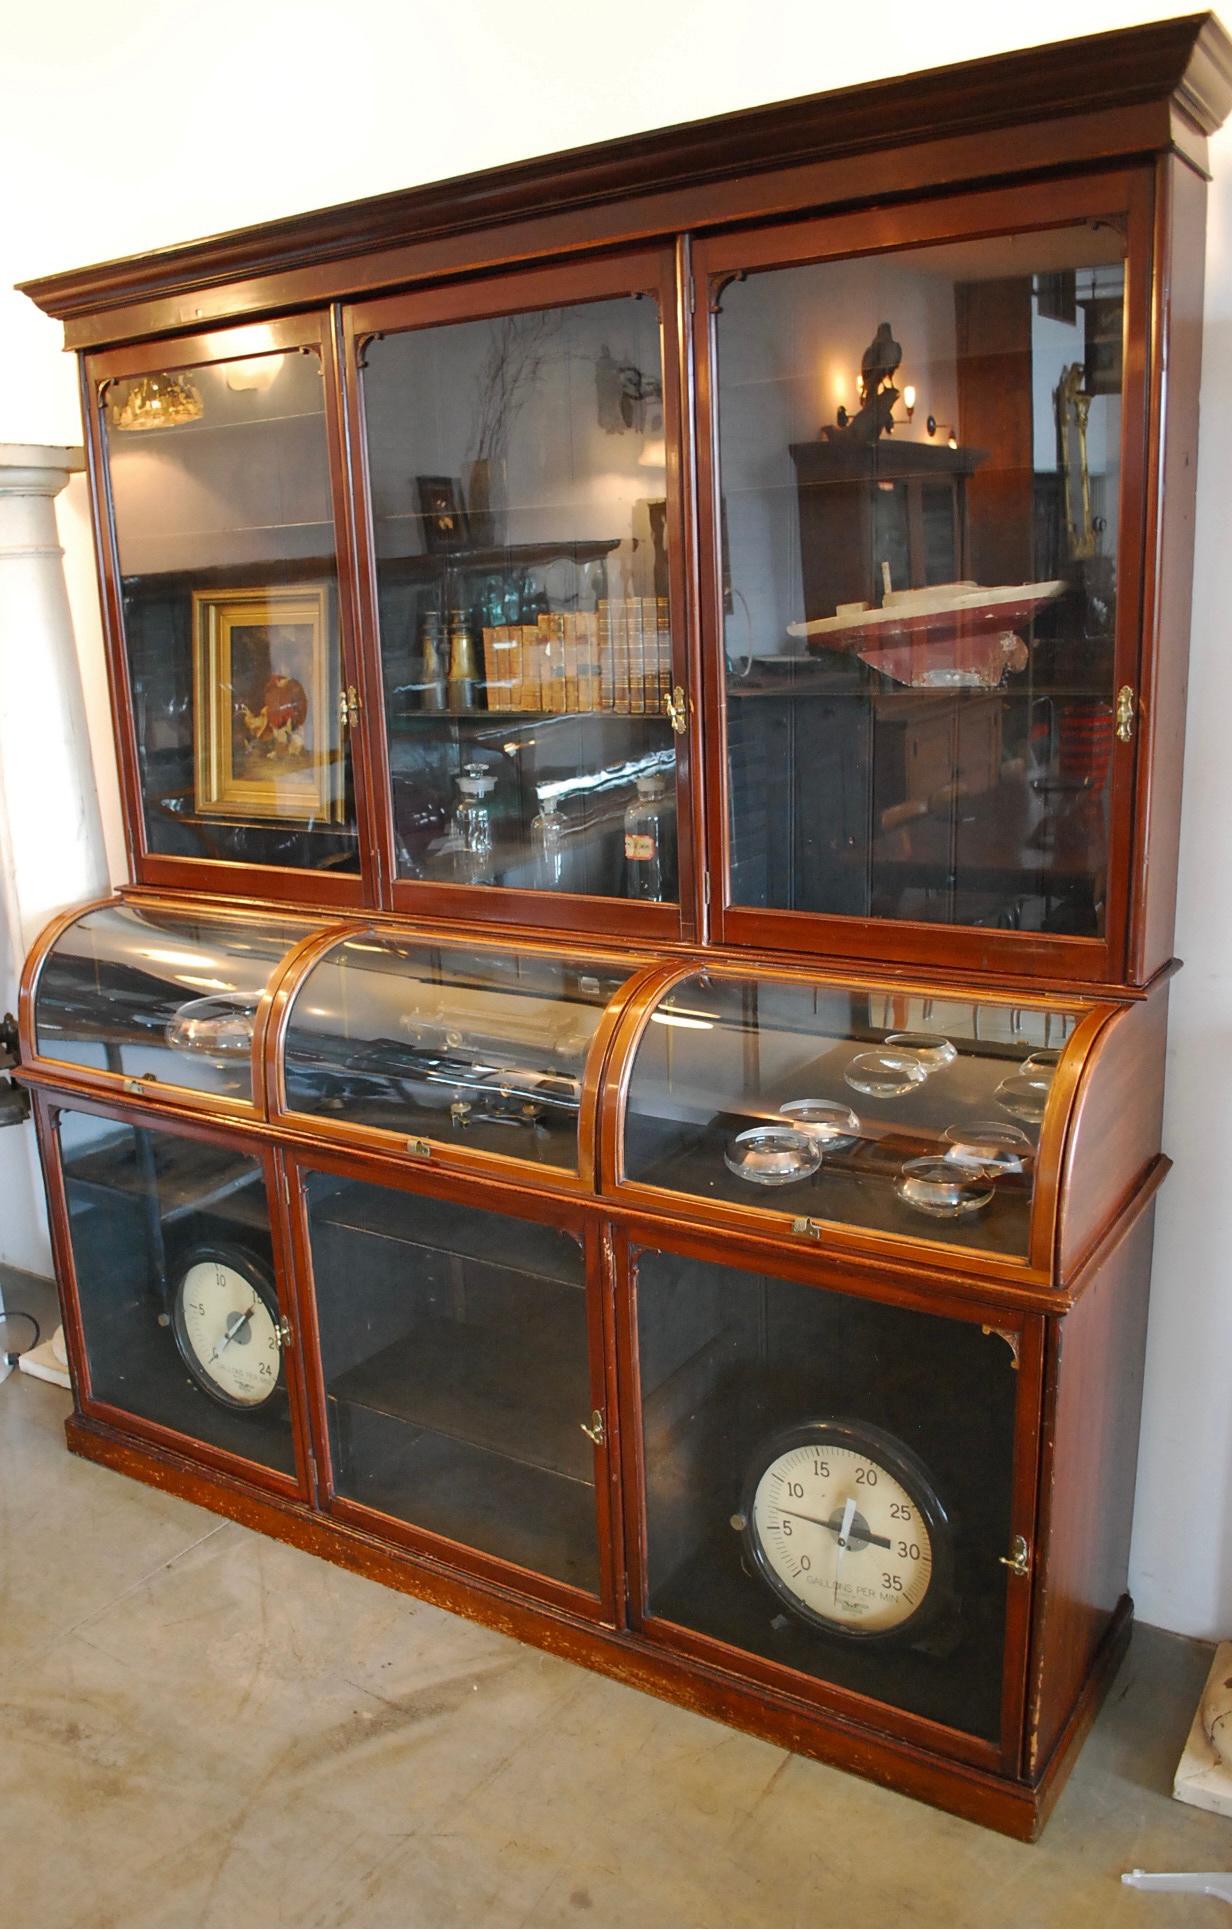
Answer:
(51, 841)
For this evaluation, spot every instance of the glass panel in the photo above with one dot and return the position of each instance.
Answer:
(828, 1483)
(174, 1264)
(484, 1048)
(900, 1113)
(454, 1347)
(220, 486)
(519, 497)
(160, 995)
(922, 591)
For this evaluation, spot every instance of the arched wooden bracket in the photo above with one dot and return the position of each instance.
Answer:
(719, 286)
(363, 343)
(1011, 1340)
(101, 390)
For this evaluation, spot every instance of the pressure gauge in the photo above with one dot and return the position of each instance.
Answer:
(844, 1524)
(224, 1314)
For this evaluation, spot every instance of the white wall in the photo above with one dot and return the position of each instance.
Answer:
(143, 123)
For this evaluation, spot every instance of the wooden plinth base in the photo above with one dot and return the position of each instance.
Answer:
(1014, 1808)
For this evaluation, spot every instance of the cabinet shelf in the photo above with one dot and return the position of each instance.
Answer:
(505, 1391)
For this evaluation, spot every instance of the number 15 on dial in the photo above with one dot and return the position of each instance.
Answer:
(844, 1524)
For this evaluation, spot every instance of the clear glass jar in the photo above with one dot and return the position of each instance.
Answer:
(650, 833)
(548, 831)
(472, 825)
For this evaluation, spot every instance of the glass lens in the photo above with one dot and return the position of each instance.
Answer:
(725, 1064)
(454, 1347)
(220, 488)
(174, 1265)
(478, 1048)
(920, 463)
(159, 995)
(519, 494)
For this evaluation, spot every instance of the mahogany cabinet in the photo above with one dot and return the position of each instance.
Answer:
(624, 1092)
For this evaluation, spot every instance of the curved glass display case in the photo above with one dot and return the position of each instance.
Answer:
(913, 1115)
(166, 996)
(470, 1047)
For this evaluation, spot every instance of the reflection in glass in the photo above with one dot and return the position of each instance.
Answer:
(160, 995)
(478, 1047)
(457, 1384)
(229, 581)
(519, 495)
(922, 609)
(722, 1065)
(174, 1267)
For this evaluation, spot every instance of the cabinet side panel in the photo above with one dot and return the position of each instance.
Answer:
(1092, 1405)
(1168, 582)
(1115, 1132)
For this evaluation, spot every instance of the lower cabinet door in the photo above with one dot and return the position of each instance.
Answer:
(174, 1278)
(827, 1484)
(459, 1374)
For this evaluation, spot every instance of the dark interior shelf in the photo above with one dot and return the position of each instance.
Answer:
(510, 1391)
(510, 1245)
(192, 1176)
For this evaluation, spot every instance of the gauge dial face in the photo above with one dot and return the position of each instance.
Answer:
(227, 1331)
(843, 1527)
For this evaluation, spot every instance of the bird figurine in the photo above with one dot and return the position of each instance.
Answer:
(875, 416)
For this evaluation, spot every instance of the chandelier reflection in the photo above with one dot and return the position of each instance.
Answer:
(159, 402)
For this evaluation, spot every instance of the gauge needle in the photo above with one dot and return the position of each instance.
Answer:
(866, 1540)
(234, 1328)
(845, 1529)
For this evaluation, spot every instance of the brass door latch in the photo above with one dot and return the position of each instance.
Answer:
(676, 704)
(596, 1430)
(1018, 1560)
(1126, 709)
(348, 706)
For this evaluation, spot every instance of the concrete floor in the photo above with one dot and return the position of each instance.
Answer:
(200, 1727)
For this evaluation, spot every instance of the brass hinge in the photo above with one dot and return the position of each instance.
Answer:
(348, 707)
(1126, 708)
(807, 1228)
(419, 1148)
(596, 1430)
(705, 887)
(1018, 1560)
(676, 704)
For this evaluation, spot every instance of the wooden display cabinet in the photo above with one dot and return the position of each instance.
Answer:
(624, 1093)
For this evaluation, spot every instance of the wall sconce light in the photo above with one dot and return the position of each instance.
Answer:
(159, 402)
(936, 428)
(258, 372)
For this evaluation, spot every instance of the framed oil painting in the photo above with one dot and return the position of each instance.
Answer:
(267, 737)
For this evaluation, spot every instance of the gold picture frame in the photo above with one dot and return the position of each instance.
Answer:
(266, 726)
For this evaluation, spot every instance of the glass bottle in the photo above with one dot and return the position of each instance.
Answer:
(463, 683)
(548, 831)
(472, 825)
(432, 694)
(650, 834)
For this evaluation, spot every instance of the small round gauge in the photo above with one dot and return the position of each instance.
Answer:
(224, 1314)
(844, 1524)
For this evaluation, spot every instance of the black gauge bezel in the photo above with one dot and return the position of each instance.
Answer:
(243, 1260)
(874, 1444)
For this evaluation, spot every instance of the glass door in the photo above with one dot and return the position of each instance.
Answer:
(922, 500)
(519, 440)
(228, 616)
(826, 1483)
(176, 1291)
(461, 1381)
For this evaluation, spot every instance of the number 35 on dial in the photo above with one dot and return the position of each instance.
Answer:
(844, 1524)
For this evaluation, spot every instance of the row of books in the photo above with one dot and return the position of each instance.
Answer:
(617, 657)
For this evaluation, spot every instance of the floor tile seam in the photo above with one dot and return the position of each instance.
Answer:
(142, 1580)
